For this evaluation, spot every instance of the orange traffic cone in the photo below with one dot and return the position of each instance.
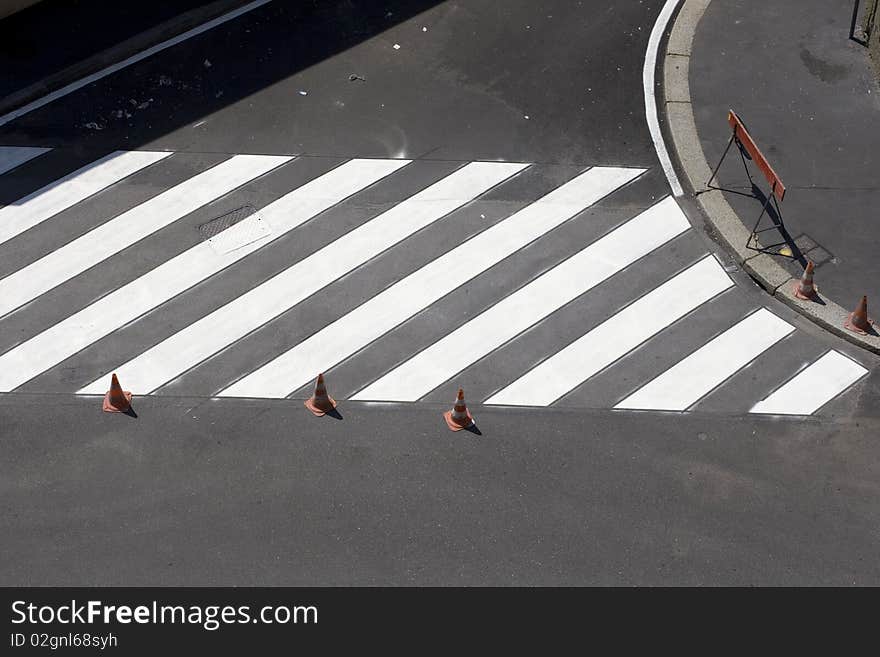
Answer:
(459, 417)
(116, 400)
(320, 403)
(858, 319)
(805, 289)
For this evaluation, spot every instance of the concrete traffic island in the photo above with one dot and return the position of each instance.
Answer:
(821, 147)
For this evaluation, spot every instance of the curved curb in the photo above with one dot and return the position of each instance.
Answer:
(724, 223)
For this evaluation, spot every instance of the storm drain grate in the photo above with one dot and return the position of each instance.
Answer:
(805, 249)
(216, 226)
(812, 250)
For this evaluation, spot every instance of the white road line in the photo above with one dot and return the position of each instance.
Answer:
(130, 227)
(610, 254)
(169, 279)
(12, 156)
(82, 82)
(35, 208)
(209, 335)
(651, 101)
(813, 387)
(396, 304)
(694, 377)
(616, 336)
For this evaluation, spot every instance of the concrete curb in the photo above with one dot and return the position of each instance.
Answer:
(725, 224)
(121, 51)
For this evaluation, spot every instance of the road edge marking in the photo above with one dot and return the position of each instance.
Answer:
(649, 83)
(113, 68)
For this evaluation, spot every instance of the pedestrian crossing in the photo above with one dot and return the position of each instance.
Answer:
(129, 228)
(25, 213)
(692, 378)
(531, 303)
(209, 335)
(382, 313)
(489, 252)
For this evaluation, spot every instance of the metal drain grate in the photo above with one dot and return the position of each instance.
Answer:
(812, 250)
(216, 226)
(805, 248)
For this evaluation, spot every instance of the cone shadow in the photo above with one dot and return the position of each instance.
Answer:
(474, 429)
(334, 413)
(815, 298)
(872, 329)
(130, 412)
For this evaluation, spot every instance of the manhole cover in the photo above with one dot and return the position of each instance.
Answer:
(221, 223)
(234, 229)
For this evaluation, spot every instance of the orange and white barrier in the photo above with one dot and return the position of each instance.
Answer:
(320, 403)
(858, 320)
(116, 400)
(805, 289)
(459, 417)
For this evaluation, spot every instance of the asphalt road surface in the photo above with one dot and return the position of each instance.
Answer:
(410, 198)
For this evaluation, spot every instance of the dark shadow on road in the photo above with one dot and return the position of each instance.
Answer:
(778, 224)
(202, 75)
(334, 413)
(474, 429)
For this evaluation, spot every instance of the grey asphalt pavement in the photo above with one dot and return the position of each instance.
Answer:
(202, 490)
(556, 82)
(198, 492)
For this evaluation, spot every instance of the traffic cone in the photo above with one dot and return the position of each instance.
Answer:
(459, 417)
(805, 289)
(858, 319)
(320, 403)
(116, 400)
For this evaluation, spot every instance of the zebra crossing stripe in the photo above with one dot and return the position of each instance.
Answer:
(813, 387)
(35, 208)
(350, 333)
(616, 336)
(12, 156)
(132, 226)
(169, 279)
(694, 377)
(209, 335)
(505, 320)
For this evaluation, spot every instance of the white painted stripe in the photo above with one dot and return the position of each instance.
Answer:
(694, 377)
(182, 272)
(396, 304)
(82, 82)
(616, 336)
(130, 227)
(12, 156)
(35, 208)
(475, 339)
(813, 387)
(649, 85)
(200, 340)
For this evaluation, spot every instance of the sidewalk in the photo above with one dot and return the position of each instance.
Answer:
(811, 100)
